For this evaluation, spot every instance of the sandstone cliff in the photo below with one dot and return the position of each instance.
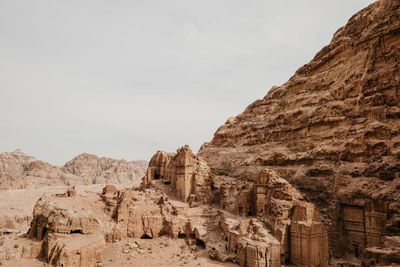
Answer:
(18, 170)
(332, 131)
(265, 223)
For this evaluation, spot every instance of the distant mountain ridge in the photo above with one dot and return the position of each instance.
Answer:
(18, 170)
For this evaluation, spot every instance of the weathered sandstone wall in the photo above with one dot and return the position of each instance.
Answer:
(332, 131)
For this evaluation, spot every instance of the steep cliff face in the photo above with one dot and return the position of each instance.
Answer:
(18, 170)
(332, 130)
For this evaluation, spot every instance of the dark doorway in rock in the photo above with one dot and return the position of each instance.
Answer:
(76, 231)
(181, 235)
(156, 176)
(167, 182)
(200, 243)
(356, 251)
(44, 231)
(145, 236)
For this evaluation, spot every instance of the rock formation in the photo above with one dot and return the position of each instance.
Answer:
(249, 224)
(18, 170)
(71, 230)
(71, 234)
(189, 175)
(388, 254)
(332, 131)
(258, 220)
(308, 174)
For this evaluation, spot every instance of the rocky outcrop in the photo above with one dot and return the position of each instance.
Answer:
(74, 249)
(188, 175)
(332, 131)
(70, 229)
(18, 170)
(158, 166)
(386, 255)
(259, 217)
(309, 172)
(57, 215)
(71, 234)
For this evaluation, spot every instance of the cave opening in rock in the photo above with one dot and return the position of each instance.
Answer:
(167, 182)
(76, 231)
(6, 232)
(156, 176)
(180, 235)
(200, 243)
(145, 236)
(44, 231)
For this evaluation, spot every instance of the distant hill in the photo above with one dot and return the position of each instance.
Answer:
(18, 170)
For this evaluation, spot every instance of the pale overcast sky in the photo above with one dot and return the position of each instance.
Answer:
(126, 78)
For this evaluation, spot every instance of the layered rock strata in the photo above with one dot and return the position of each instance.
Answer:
(332, 131)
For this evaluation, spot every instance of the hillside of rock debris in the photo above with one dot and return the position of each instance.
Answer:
(19, 171)
(332, 130)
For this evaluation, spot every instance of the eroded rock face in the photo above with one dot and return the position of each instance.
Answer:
(74, 249)
(158, 166)
(320, 151)
(259, 217)
(388, 254)
(18, 170)
(56, 215)
(332, 131)
(188, 174)
(72, 229)
(71, 233)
